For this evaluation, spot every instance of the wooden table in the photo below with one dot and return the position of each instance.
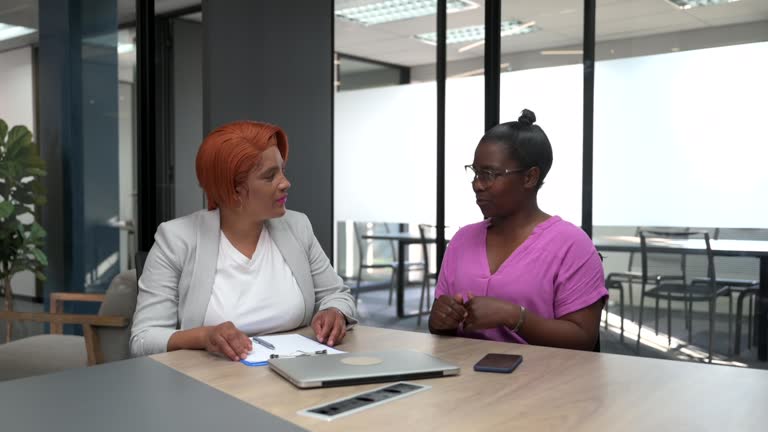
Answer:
(403, 240)
(732, 248)
(553, 389)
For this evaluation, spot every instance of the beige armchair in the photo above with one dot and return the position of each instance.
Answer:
(105, 335)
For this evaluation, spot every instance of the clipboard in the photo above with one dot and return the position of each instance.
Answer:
(288, 345)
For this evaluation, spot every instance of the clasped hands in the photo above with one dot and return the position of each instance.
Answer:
(477, 313)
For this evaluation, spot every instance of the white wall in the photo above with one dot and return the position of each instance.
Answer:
(16, 88)
(17, 108)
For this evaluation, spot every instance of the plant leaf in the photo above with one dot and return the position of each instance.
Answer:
(36, 232)
(6, 209)
(21, 189)
(19, 138)
(40, 256)
(3, 130)
(35, 172)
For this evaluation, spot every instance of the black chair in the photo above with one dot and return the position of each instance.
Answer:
(616, 280)
(619, 286)
(746, 287)
(750, 293)
(390, 262)
(425, 231)
(633, 276)
(676, 288)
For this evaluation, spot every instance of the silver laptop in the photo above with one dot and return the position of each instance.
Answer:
(360, 368)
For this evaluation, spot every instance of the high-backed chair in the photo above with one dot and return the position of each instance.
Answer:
(389, 261)
(426, 231)
(741, 275)
(105, 334)
(677, 288)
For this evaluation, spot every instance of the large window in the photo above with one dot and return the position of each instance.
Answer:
(384, 139)
(540, 70)
(678, 145)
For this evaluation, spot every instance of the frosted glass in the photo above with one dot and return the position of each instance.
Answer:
(384, 154)
(385, 145)
(680, 139)
(555, 95)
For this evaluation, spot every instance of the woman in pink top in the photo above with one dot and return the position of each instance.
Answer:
(521, 275)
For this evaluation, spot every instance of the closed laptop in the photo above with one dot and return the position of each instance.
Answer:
(360, 368)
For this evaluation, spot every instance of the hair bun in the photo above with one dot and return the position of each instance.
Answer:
(527, 117)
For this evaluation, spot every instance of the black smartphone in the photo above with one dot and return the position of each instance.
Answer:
(500, 363)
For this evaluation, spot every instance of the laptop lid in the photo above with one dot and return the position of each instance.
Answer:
(360, 368)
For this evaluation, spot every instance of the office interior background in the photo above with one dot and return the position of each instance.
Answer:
(678, 140)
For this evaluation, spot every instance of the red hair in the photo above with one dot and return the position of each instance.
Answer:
(229, 153)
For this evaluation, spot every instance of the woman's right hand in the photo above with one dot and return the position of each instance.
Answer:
(226, 339)
(447, 313)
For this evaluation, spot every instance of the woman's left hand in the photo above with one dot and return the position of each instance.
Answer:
(329, 325)
(488, 312)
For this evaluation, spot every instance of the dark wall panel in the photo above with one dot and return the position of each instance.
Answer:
(272, 60)
(187, 113)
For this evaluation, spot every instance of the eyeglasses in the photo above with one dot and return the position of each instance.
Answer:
(486, 176)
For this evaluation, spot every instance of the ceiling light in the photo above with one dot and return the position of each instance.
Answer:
(688, 4)
(477, 32)
(8, 31)
(508, 32)
(396, 10)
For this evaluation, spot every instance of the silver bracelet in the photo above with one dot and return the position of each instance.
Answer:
(520, 320)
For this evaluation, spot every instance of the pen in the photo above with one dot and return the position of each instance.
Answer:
(301, 354)
(262, 342)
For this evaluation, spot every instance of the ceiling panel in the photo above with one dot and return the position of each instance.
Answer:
(633, 9)
(533, 9)
(508, 45)
(737, 19)
(553, 22)
(19, 12)
(639, 32)
(533, 41)
(348, 35)
(649, 24)
(741, 11)
(561, 23)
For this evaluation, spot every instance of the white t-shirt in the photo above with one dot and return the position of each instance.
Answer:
(259, 295)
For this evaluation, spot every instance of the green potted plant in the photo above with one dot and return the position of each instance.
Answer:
(21, 195)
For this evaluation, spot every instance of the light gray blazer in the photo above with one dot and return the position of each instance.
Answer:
(176, 284)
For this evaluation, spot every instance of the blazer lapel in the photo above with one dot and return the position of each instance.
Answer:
(297, 261)
(206, 258)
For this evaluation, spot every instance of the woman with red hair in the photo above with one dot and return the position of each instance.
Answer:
(246, 266)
